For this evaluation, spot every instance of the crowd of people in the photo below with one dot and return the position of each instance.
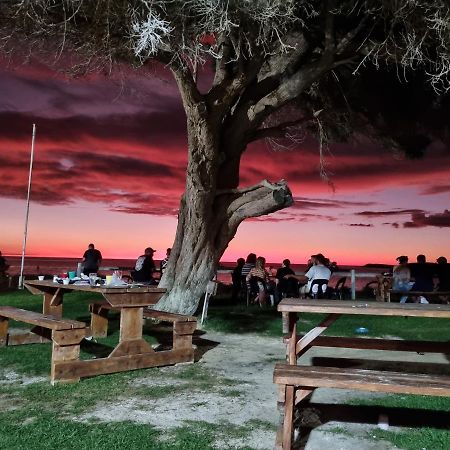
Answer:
(420, 276)
(251, 276)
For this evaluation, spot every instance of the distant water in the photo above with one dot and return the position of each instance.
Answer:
(52, 265)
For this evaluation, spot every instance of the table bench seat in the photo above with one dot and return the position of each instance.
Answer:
(417, 293)
(66, 335)
(362, 379)
(38, 319)
(298, 382)
(99, 318)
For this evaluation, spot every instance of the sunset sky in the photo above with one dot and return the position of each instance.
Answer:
(110, 157)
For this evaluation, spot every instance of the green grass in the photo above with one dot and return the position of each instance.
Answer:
(417, 439)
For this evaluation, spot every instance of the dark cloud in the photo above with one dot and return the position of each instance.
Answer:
(305, 203)
(394, 212)
(359, 225)
(439, 189)
(286, 216)
(151, 129)
(420, 220)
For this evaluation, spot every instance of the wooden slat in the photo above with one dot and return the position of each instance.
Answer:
(364, 308)
(424, 293)
(361, 379)
(383, 344)
(148, 313)
(34, 318)
(306, 340)
(168, 317)
(75, 369)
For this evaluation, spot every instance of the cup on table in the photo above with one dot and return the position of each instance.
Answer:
(40, 277)
(66, 281)
(118, 274)
(109, 279)
(72, 274)
(92, 278)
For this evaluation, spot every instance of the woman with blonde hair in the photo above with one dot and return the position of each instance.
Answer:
(260, 277)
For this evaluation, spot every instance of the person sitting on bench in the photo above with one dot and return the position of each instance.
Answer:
(318, 271)
(401, 276)
(144, 267)
(422, 273)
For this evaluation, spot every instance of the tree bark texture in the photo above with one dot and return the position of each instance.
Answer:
(209, 216)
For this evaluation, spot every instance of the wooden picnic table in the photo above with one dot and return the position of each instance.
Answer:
(132, 351)
(298, 382)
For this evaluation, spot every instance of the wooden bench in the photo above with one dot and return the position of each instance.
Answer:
(417, 294)
(298, 382)
(183, 325)
(65, 335)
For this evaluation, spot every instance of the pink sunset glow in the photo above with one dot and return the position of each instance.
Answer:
(109, 166)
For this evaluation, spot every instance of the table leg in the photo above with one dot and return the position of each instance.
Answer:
(53, 302)
(292, 323)
(130, 338)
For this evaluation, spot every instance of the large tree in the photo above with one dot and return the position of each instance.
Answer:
(272, 66)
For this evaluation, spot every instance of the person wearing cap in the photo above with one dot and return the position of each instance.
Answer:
(401, 276)
(144, 267)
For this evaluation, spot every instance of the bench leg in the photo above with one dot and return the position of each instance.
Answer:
(288, 418)
(182, 335)
(65, 347)
(3, 331)
(99, 322)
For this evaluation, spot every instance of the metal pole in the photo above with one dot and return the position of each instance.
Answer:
(27, 208)
(353, 280)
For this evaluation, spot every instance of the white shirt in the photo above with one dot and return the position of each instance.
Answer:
(317, 272)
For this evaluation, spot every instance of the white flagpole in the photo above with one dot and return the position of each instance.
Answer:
(27, 208)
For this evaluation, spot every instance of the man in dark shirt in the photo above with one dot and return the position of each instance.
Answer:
(443, 273)
(422, 273)
(286, 286)
(3, 265)
(92, 259)
(144, 267)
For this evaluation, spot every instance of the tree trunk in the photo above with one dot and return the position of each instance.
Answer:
(208, 218)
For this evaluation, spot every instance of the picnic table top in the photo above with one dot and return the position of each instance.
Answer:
(86, 287)
(130, 296)
(371, 308)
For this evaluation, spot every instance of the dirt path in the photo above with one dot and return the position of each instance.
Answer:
(248, 360)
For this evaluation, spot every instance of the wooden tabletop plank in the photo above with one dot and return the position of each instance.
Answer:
(85, 287)
(364, 308)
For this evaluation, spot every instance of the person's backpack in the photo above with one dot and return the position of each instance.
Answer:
(139, 263)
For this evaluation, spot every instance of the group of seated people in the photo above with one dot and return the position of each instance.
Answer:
(420, 276)
(252, 275)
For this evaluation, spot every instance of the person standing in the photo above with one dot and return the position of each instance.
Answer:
(144, 267)
(92, 259)
(4, 266)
